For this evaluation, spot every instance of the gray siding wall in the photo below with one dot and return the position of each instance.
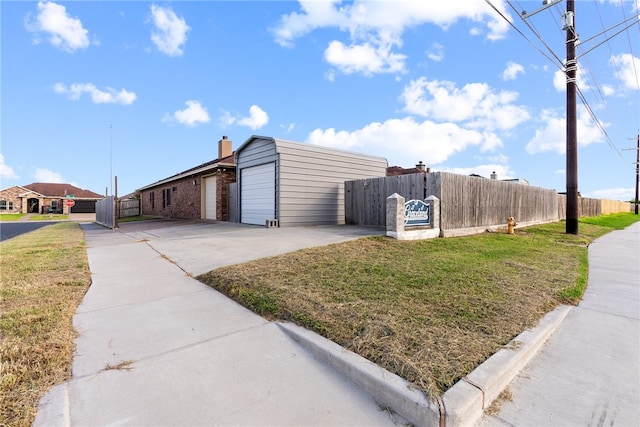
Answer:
(311, 182)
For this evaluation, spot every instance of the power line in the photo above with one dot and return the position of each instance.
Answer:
(523, 35)
(559, 61)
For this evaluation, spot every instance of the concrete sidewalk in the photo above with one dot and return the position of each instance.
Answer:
(588, 372)
(157, 347)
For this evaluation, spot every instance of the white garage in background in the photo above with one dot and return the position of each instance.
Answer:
(295, 183)
(209, 197)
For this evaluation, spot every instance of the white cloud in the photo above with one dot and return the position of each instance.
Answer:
(363, 16)
(170, 32)
(366, 58)
(107, 96)
(6, 171)
(376, 28)
(623, 194)
(475, 104)
(431, 142)
(288, 128)
(628, 66)
(512, 71)
(257, 118)
(45, 175)
(194, 114)
(436, 53)
(65, 33)
(552, 135)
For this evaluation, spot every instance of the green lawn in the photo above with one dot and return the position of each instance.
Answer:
(11, 217)
(49, 217)
(45, 274)
(430, 311)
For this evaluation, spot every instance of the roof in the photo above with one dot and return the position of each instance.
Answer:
(399, 170)
(226, 162)
(279, 143)
(48, 189)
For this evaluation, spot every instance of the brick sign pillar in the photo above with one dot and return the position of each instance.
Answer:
(396, 219)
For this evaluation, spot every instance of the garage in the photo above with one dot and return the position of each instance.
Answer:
(296, 183)
(258, 185)
(84, 206)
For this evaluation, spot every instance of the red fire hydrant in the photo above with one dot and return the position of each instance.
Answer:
(511, 225)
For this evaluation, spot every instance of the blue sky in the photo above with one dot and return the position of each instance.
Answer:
(143, 90)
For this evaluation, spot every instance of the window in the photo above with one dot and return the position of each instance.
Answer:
(166, 197)
(10, 205)
(3, 205)
(152, 200)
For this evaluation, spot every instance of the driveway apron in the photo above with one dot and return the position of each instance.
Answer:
(157, 347)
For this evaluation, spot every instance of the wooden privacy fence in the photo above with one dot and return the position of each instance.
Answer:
(365, 199)
(232, 202)
(467, 204)
(593, 207)
(128, 208)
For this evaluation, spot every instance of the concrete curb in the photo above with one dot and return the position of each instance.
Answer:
(387, 389)
(466, 401)
(463, 404)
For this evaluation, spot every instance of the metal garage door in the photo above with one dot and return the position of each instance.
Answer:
(210, 197)
(84, 206)
(258, 194)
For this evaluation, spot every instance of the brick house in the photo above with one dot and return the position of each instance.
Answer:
(43, 198)
(196, 193)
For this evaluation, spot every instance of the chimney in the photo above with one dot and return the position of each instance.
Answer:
(420, 166)
(224, 147)
(494, 175)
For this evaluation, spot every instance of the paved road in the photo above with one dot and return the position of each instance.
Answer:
(9, 230)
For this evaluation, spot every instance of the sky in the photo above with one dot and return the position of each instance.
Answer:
(94, 90)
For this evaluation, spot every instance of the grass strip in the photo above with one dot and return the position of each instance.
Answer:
(49, 217)
(11, 217)
(45, 274)
(429, 311)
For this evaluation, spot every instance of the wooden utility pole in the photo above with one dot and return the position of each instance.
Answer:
(637, 169)
(635, 201)
(572, 132)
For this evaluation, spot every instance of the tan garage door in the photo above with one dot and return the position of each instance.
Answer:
(210, 197)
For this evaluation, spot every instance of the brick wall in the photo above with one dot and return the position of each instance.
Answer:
(186, 197)
(223, 179)
(11, 195)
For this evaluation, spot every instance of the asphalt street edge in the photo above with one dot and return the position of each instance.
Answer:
(463, 404)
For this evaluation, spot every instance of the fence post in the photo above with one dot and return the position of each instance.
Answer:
(395, 215)
(434, 206)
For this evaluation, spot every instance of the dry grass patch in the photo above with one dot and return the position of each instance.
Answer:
(45, 274)
(430, 311)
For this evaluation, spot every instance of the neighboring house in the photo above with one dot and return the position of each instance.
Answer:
(197, 193)
(289, 183)
(398, 170)
(43, 198)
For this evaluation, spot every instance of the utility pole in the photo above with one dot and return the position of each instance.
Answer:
(637, 169)
(571, 121)
(111, 159)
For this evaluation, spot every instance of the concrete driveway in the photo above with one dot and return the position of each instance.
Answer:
(198, 247)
